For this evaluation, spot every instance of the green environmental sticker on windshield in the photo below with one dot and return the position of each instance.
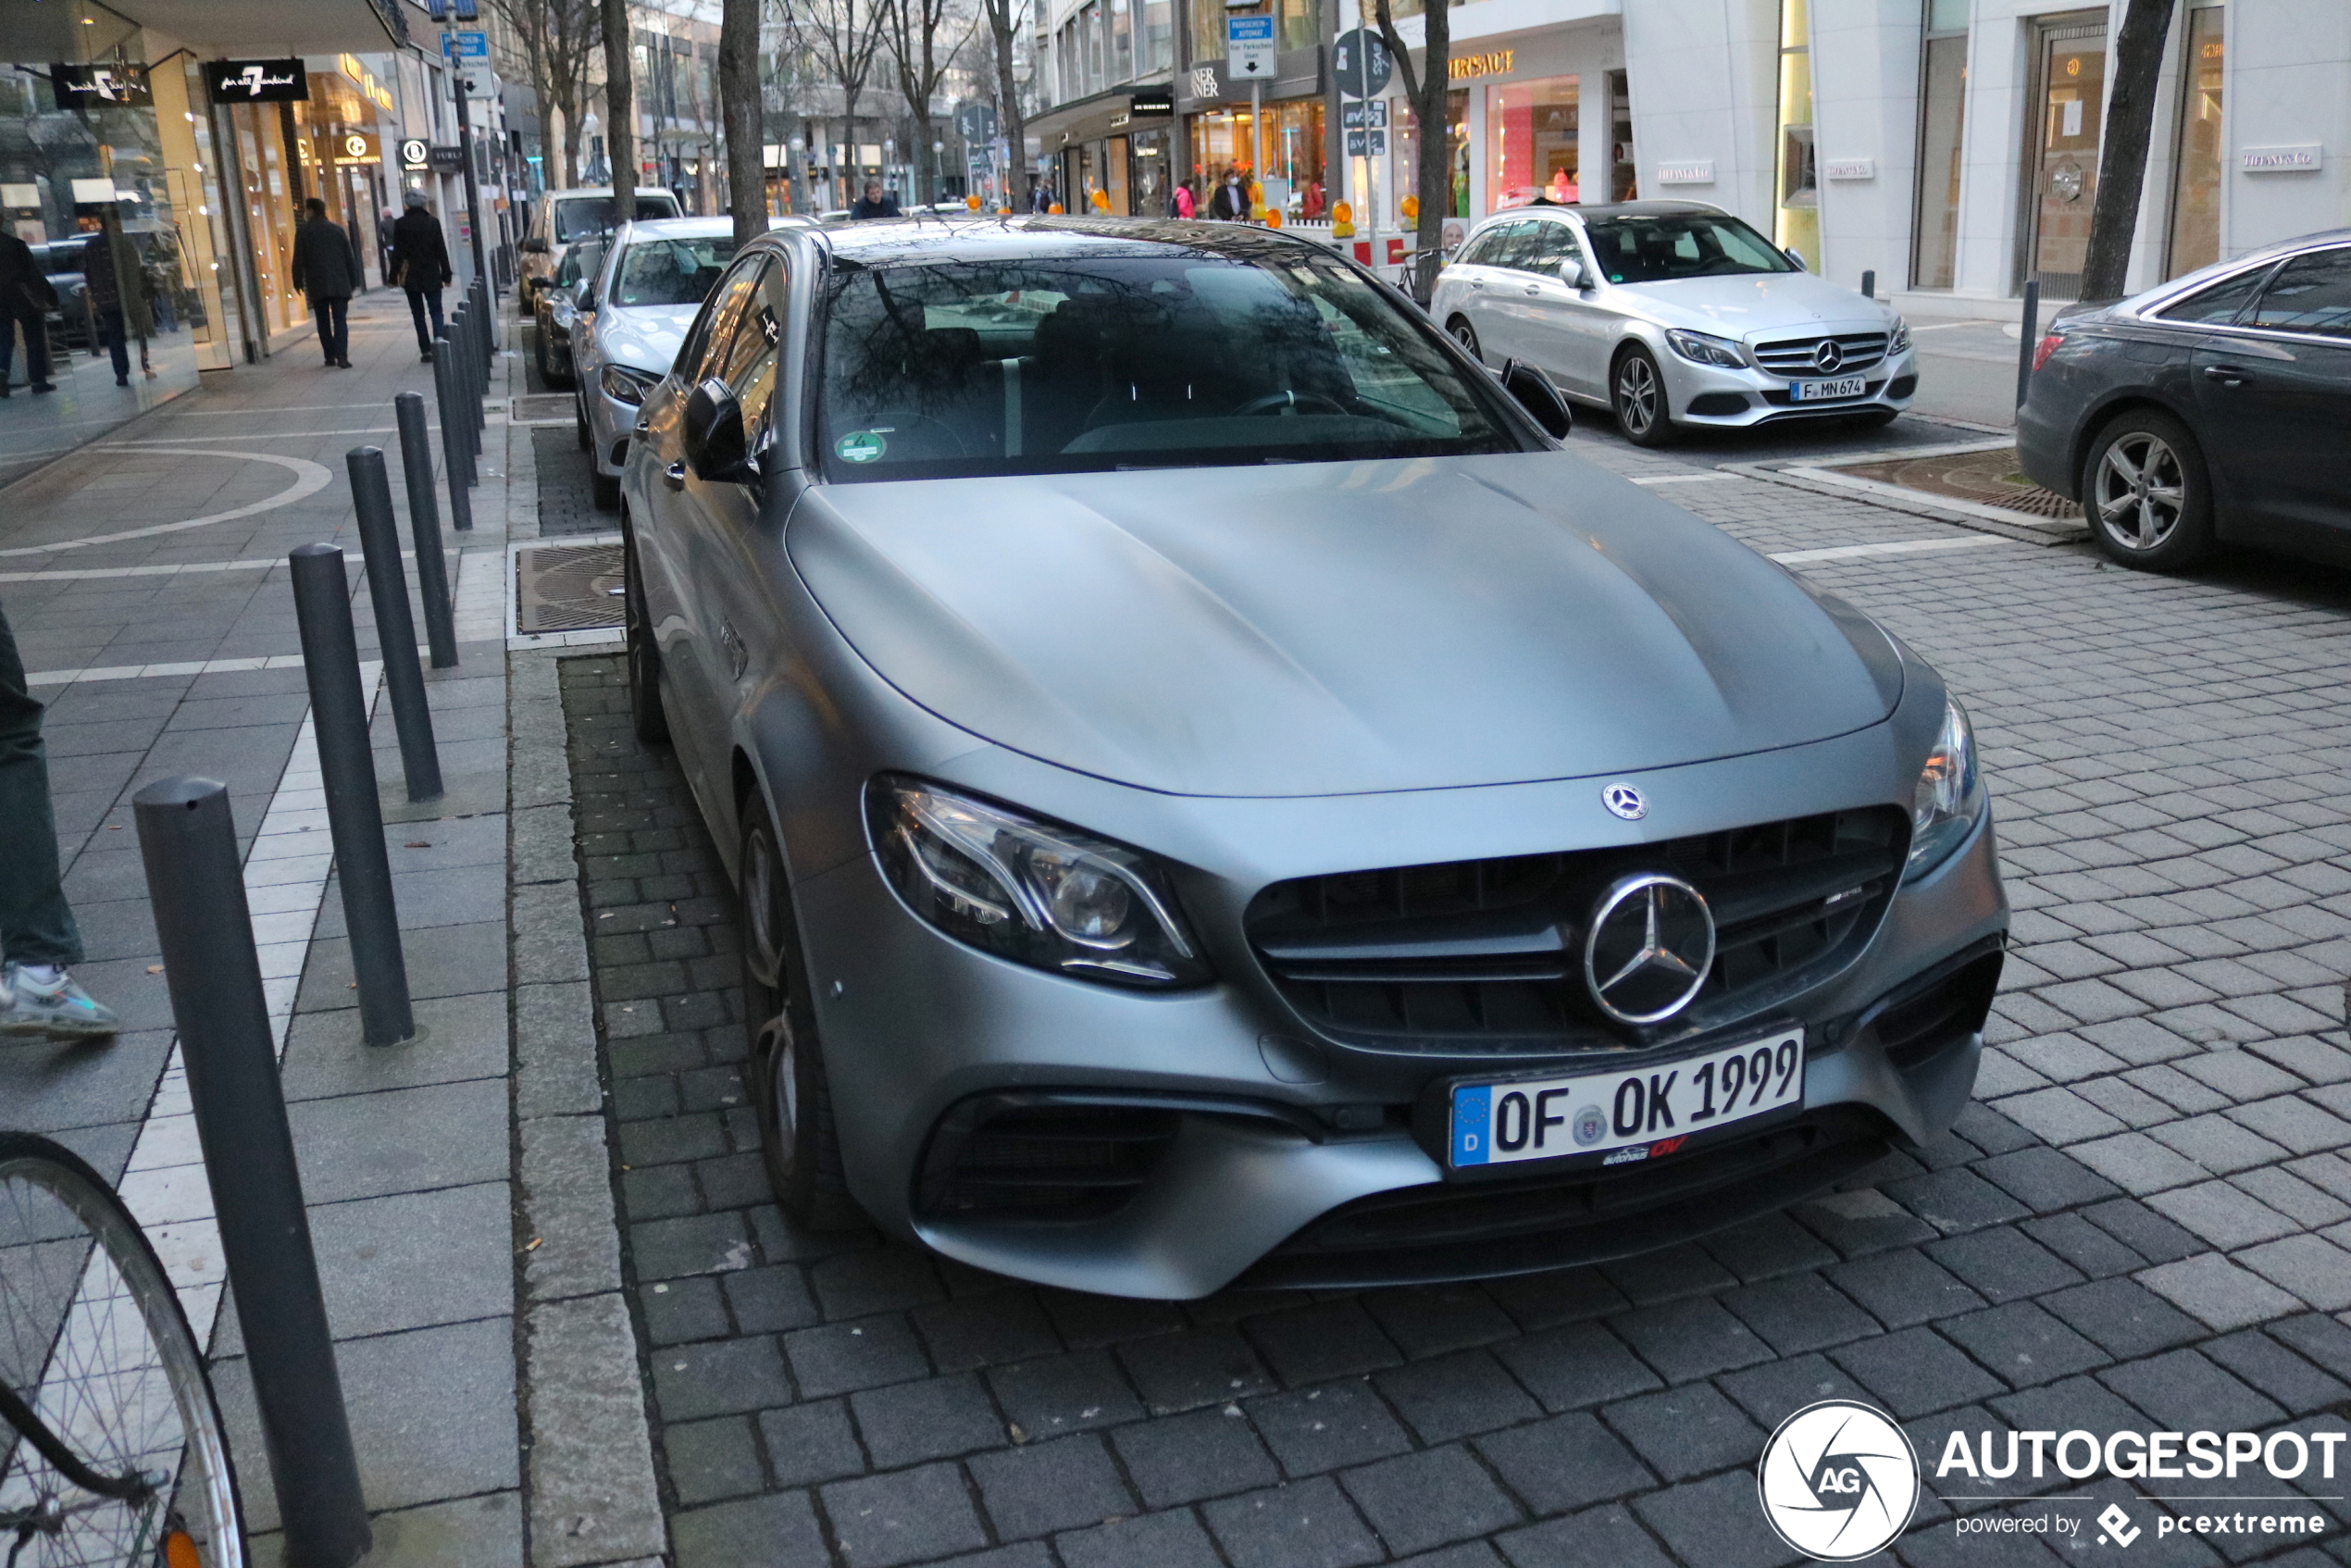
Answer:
(861, 446)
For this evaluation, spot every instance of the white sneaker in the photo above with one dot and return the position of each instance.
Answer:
(59, 1009)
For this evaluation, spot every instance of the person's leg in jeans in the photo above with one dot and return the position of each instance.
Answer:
(110, 332)
(38, 939)
(417, 314)
(339, 311)
(325, 311)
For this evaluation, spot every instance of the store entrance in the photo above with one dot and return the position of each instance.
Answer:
(2061, 157)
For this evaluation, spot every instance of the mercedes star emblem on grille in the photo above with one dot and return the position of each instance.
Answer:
(1650, 945)
(1828, 357)
(1623, 801)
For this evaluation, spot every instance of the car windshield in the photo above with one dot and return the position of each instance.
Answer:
(1066, 366)
(1661, 248)
(578, 217)
(671, 272)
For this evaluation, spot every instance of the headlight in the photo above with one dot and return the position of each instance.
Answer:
(1035, 892)
(1949, 797)
(1898, 341)
(1703, 350)
(628, 386)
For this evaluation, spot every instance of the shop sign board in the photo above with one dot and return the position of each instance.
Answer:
(87, 87)
(1250, 48)
(1362, 63)
(2279, 160)
(416, 152)
(448, 160)
(257, 82)
(1694, 172)
(1849, 168)
(353, 148)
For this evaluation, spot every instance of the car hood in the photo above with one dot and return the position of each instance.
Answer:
(644, 337)
(1733, 308)
(1336, 628)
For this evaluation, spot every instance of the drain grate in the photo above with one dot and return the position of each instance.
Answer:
(1989, 479)
(567, 588)
(543, 408)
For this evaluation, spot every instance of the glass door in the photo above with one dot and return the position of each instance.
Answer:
(2196, 176)
(2061, 156)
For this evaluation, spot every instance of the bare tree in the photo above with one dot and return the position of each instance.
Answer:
(912, 33)
(1003, 30)
(2122, 160)
(620, 111)
(842, 37)
(557, 40)
(741, 116)
(1425, 89)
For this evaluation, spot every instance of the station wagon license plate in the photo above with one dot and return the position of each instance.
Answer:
(1822, 392)
(1623, 1115)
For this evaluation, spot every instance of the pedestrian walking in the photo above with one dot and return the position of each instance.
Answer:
(420, 266)
(1231, 201)
(1185, 205)
(115, 287)
(326, 268)
(26, 299)
(1042, 199)
(38, 939)
(873, 204)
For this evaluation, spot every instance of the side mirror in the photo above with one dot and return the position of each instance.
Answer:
(1571, 273)
(535, 246)
(584, 299)
(716, 446)
(1797, 256)
(1534, 394)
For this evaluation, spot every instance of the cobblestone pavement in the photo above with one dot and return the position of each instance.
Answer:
(2141, 1224)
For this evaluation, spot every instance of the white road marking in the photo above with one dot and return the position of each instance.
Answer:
(1890, 547)
(310, 479)
(1679, 478)
(251, 435)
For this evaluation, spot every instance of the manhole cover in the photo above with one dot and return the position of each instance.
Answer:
(1988, 479)
(567, 588)
(543, 408)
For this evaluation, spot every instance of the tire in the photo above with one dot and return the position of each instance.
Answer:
(580, 424)
(789, 1084)
(646, 714)
(91, 1325)
(2147, 494)
(607, 494)
(1637, 396)
(1875, 419)
(1461, 332)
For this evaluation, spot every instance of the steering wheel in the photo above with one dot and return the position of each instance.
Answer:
(1285, 400)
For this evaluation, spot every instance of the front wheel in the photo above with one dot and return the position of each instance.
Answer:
(646, 714)
(1465, 335)
(580, 424)
(792, 1092)
(1637, 392)
(2145, 492)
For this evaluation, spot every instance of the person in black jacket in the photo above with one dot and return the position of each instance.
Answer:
(873, 204)
(326, 268)
(26, 299)
(117, 288)
(420, 266)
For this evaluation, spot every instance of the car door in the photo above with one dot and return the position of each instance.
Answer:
(683, 602)
(1548, 313)
(2275, 391)
(1485, 301)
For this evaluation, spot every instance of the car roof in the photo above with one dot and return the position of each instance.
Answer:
(928, 237)
(1595, 211)
(677, 228)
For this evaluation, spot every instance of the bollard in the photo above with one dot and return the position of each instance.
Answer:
(1869, 285)
(2031, 325)
(469, 366)
(188, 842)
(354, 814)
(395, 629)
(453, 439)
(424, 524)
(461, 332)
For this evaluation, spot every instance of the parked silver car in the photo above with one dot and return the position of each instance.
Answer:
(563, 219)
(1217, 794)
(1673, 314)
(654, 279)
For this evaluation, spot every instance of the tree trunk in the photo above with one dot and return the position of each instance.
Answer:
(1003, 23)
(620, 112)
(739, 116)
(1426, 89)
(2123, 155)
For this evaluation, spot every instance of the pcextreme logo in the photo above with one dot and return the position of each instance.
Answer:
(1839, 1480)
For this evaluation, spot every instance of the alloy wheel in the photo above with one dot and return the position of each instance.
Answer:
(766, 994)
(2140, 491)
(1636, 395)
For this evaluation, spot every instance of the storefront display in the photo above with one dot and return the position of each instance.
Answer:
(1531, 142)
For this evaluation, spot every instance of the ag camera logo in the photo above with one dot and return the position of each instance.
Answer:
(1839, 1480)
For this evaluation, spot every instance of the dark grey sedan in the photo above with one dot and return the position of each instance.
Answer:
(2214, 407)
(1216, 793)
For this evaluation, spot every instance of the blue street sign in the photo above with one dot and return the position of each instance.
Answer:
(1249, 48)
(466, 45)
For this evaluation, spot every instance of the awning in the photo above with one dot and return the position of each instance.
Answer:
(1136, 104)
(264, 29)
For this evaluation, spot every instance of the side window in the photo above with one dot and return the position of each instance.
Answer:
(1549, 244)
(704, 351)
(2219, 303)
(1510, 243)
(1483, 249)
(750, 370)
(2311, 293)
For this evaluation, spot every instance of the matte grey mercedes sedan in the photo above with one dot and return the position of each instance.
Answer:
(1218, 796)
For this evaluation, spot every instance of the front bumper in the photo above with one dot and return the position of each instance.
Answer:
(1297, 1168)
(1734, 399)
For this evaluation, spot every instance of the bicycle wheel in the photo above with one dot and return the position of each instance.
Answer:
(112, 1454)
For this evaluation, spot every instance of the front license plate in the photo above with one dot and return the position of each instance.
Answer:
(1818, 391)
(1624, 1115)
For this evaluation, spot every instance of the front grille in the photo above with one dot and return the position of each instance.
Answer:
(1042, 1163)
(1487, 954)
(1801, 356)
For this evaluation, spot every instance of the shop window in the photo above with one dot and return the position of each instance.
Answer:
(1942, 109)
(2061, 166)
(1623, 179)
(2196, 174)
(1122, 41)
(1297, 28)
(1531, 142)
(1206, 35)
(1406, 141)
(1155, 48)
(1798, 226)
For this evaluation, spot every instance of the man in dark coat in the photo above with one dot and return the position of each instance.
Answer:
(26, 299)
(326, 268)
(117, 288)
(420, 266)
(1231, 201)
(873, 204)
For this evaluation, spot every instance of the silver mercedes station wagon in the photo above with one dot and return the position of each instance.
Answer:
(1218, 796)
